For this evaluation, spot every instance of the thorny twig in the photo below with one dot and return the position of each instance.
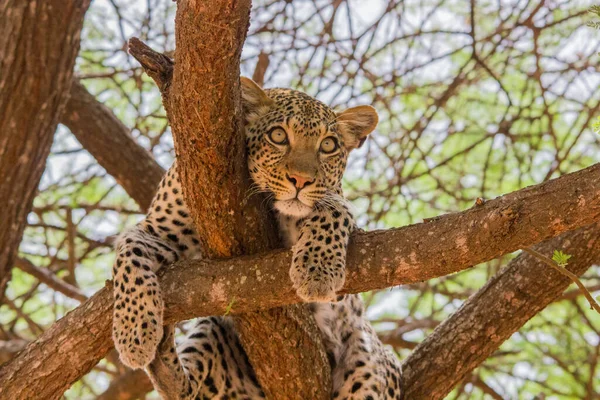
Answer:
(593, 304)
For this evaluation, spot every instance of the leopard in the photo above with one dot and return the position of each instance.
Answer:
(297, 150)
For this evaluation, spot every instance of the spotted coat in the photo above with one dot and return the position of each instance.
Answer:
(297, 153)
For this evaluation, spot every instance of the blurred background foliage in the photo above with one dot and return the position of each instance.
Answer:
(476, 99)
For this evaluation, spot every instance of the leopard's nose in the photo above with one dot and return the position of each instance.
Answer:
(299, 181)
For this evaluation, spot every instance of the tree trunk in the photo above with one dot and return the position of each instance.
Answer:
(204, 109)
(39, 41)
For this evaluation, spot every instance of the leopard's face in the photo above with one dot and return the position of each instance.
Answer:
(298, 147)
(295, 152)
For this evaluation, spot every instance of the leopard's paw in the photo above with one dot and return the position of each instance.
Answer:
(137, 334)
(138, 354)
(317, 289)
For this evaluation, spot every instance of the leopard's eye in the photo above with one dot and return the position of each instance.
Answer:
(278, 136)
(329, 145)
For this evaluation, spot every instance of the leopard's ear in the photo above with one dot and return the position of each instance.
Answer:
(254, 100)
(355, 124)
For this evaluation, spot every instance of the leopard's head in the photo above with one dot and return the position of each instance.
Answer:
(298, 147)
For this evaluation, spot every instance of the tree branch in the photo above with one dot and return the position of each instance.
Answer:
(261, 68)
(158, 66)
(109, 141)
(489, 317)
(376, 260)
(65, 352)
(44, 275)
(415, 253)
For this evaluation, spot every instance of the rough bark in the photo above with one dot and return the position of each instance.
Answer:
(489, 317)
(204, 109)
(262, 334)
(39, 41)
(377, 259)
(109, 141)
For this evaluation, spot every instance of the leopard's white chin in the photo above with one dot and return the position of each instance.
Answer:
(293, 208)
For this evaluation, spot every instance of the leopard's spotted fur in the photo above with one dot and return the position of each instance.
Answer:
(297, 151)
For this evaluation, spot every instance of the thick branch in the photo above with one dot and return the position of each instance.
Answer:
(415, 253)
(203, 145)
(488, 318)
(106, 138)
(38, 45)
(378, 259)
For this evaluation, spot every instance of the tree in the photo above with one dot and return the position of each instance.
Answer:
(517, 221)
(28, 126)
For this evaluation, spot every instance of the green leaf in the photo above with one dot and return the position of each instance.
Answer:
(560, 258)
(229, 306)
(596, 125)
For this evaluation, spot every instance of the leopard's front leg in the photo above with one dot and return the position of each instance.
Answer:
(164, 236)
(318, 268)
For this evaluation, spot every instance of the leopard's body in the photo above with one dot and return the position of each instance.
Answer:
(297, 151)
